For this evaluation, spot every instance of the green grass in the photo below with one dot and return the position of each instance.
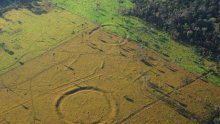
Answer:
(98, 11)
(108, 12)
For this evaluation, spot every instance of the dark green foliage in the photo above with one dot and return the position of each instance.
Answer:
(4, 47)
(128, 99)
(187, 81)
(6, 5)
(194, 22)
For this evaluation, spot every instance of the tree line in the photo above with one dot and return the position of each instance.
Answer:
(6, 5)
(195, 22)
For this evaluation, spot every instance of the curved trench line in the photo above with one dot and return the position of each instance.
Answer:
(124, 39)
(60, 62)
(109, 98)
(95, 29)
(50, 49)
(63, 42)
(47, 93)
(18, 60)
(41, 72)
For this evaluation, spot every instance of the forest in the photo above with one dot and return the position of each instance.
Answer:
(194, 22)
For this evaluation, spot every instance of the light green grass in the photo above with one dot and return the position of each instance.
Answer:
(98, 11)
(109, 13)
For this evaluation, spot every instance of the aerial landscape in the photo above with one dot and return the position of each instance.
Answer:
(109, 62)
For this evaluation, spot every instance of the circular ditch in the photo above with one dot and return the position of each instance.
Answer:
(86, 105)
(123, 40)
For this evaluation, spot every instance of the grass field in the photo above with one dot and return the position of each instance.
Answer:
(99, 77)
(25, 35)
(109, 14)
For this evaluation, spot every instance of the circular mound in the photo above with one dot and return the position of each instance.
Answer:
(86, 105)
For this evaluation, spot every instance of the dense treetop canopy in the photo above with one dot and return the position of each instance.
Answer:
(190, 21)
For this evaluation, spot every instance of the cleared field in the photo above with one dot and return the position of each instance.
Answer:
(100, 77)
(109, 14)
(25, 35)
